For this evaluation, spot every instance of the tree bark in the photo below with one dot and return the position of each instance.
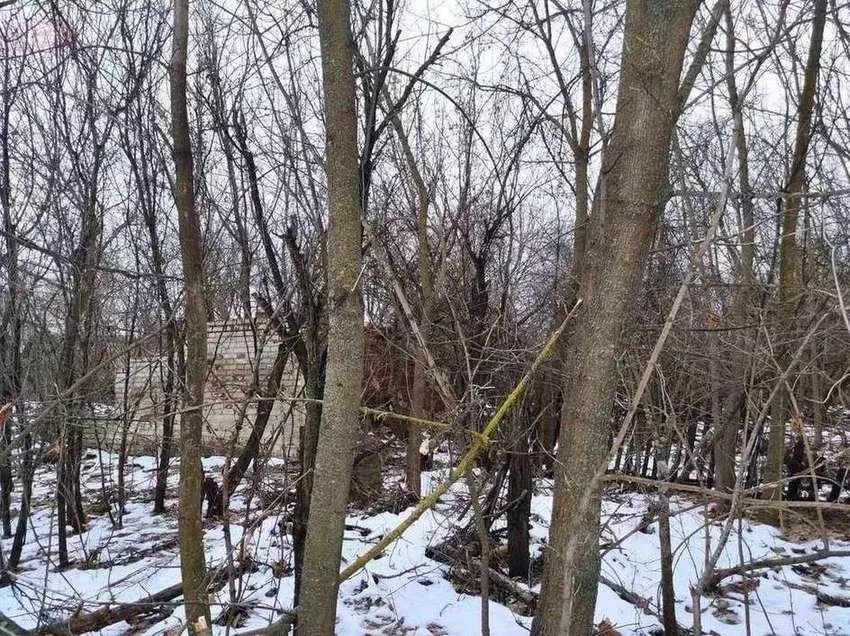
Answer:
(635, 179)
(341, 398)
(190, 526)
(519, 501)
(313, 389)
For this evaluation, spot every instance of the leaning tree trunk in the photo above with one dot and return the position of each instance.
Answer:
(341, 399)
(790, 288)
(265, 404)
(635, 170)
(190, 526)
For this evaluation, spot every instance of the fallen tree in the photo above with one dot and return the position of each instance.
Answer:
(768, 564)
(480, 442)
(111, 614)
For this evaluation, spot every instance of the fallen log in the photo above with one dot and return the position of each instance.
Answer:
(280, 627)
(502, 583)
(530, 598)
(821, 596)
(630, 597)
(111, 614)
(768, 564)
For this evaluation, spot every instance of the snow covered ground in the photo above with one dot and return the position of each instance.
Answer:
(403, 592)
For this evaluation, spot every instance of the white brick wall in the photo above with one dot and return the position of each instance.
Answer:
(235, 353)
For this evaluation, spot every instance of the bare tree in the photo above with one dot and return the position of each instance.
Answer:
(191, 528)
(790, 287)
(632, 198)
(341, 399)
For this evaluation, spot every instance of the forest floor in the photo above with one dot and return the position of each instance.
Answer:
(404, 592)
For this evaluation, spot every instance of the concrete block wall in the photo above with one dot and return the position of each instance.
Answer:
(240, 358)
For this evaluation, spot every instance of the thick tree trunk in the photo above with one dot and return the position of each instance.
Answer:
(634, 168)
(341, 398)
(190, 526)
(790, 288)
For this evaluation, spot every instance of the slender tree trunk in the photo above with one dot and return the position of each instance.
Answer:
(817, 398)
(483, 535)
(264, 410)
(790, 288)
(175, 359)
(635, 167)
(6, 463)
(341, 398)
(307, 460)
(10, 339)
(725, 443)
(550, 380)
(27, 471)
(190, 526)
(144, 174)
(127, 413)
(519, 500)
(413, 456)
(668, 595)
(68, 499)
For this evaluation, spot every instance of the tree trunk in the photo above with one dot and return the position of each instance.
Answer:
(27, 473)
(668, 594)
(12, 321)
(817, 399)
(138, 149)
(265, 405)
(519, 500)
(175, 358)
(314, 372)
(68, 496)
(190, 526)
(725, 443)
(790, 289)
(635, 167)
(341, 398)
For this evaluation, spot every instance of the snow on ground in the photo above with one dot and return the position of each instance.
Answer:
(403, 592)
